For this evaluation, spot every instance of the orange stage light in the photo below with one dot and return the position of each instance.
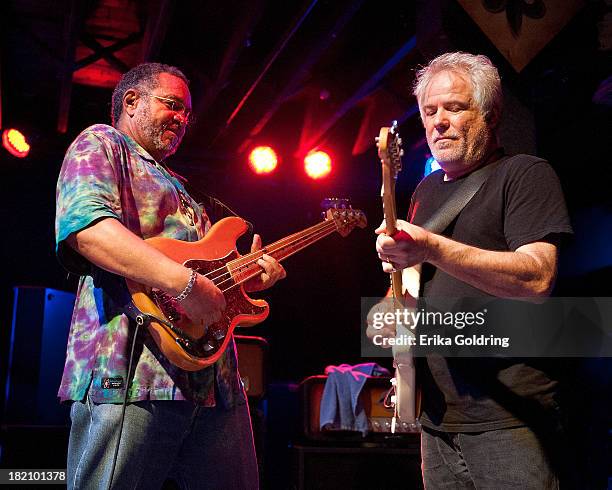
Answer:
(263, 160)
(15, 143)
(317, 164)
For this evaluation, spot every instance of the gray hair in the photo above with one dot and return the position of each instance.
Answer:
(143, 76)
(484, 77)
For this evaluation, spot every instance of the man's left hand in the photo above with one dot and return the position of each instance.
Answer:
(272, 270)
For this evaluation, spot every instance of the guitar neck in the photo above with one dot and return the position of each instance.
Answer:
(390, 212)
(391, 226)
(245, 267)
(396, 277)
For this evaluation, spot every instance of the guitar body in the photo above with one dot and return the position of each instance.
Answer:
(407, 397)
(194, 347)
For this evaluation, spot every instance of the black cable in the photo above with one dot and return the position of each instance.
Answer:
(139, 322)
(217, 209)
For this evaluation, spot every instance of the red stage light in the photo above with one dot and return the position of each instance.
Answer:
(15, 143)
(263, 160)
(317, 164)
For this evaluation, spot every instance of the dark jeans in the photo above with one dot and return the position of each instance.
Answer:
(496, 459)
(198, 447)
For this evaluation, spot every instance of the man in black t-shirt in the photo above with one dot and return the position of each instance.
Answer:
(487, 422)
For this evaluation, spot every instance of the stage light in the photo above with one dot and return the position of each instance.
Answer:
(263, 160)
(431, 166)
(317, 164)
(15, 143)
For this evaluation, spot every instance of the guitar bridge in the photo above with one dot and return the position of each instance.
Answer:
(169, 307)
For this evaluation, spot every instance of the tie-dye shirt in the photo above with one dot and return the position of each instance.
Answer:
(106, 174)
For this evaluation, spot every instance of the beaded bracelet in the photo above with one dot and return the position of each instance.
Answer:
(185, 292)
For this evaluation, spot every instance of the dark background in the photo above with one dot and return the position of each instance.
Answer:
(334, 78)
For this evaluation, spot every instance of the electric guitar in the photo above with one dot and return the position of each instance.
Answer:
(404, 284)
(191, 346)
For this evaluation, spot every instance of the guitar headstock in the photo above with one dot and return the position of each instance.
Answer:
(390, 151)
(346, 219)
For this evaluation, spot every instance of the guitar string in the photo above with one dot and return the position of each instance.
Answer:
(312, 237)
(317, 229)
(270, 248)
(301, 234)
(288, 241)
(250, 276)
(322, 235)
(273, 247)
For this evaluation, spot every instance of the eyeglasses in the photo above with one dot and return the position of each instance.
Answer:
(175, 106)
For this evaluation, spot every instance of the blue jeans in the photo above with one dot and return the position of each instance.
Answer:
(496, 459)
(199, 447)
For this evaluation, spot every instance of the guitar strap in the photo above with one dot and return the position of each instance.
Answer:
(445, 215)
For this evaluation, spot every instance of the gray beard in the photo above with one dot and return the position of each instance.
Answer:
(155, 134)
(470, 155)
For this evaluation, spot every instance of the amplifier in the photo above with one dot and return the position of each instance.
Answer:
(252, 364)
(371, 398)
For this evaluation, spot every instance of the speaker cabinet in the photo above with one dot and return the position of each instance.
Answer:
(252, 364)
(356, 467)
(41, 321)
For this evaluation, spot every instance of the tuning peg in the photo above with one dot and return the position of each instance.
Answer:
(401, 153)
(399, 141)
(376, 139)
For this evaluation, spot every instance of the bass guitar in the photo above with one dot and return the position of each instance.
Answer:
(191, 346)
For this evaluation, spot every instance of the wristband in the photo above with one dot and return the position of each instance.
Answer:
(185, 292)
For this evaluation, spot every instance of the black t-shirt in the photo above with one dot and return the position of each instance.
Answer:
(521, 202)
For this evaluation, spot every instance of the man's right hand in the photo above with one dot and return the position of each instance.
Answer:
(205, 303)
(111, 246)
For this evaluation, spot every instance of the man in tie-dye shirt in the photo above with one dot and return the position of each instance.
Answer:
(114, 191)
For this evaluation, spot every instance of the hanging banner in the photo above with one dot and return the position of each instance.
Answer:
(521, 28)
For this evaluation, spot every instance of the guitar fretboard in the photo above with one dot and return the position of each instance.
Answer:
(245, 267)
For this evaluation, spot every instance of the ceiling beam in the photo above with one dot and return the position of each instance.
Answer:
(305, 66)
(106, 52)
(361, 92)
(158, 19)
(72, 25)
(241, 32)
(272, 58)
